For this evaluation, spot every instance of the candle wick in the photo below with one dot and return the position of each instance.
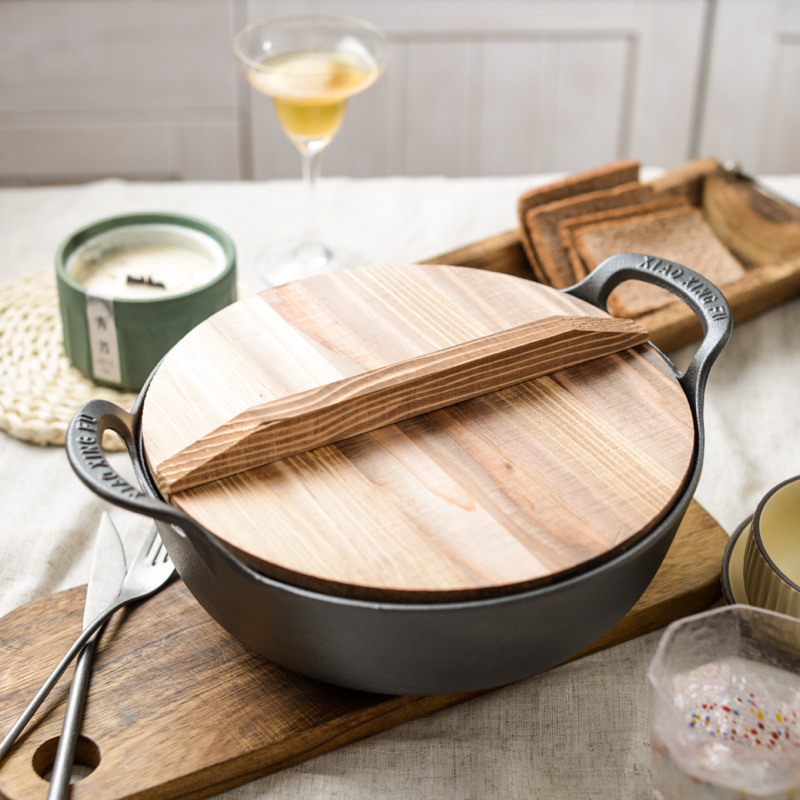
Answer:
(148, 281)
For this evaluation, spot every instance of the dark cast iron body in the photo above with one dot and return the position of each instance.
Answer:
(403, 648)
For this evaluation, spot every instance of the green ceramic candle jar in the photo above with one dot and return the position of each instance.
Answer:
(130, 287)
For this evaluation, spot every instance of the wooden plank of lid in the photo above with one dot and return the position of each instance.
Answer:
(327, 414)
(492, 495)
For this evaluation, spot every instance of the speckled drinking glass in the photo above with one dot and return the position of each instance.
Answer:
(725, 707)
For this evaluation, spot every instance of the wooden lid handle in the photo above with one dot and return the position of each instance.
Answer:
(326, 414)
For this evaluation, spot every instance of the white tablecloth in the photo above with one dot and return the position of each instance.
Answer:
(580, 731)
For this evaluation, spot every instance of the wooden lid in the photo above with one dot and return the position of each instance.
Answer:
(496, 494)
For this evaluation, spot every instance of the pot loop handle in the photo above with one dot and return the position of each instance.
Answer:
(85, 453)
(707, 302)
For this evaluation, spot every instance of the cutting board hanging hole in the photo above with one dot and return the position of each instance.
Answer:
(86, 760)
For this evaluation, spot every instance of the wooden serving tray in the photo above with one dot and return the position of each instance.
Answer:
(178, 708)
(760, 229)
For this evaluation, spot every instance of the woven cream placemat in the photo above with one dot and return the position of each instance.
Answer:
(40, 391)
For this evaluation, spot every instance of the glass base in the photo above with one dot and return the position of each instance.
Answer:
(278, 264)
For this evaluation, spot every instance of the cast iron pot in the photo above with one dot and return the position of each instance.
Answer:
(416, 648)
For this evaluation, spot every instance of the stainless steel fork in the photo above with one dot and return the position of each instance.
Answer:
(150, 569)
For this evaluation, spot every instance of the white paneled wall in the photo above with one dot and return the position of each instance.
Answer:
(148, 88)
(510, 86)
(102, 87)
(752, 113)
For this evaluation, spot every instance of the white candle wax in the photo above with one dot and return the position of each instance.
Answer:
(145, 262)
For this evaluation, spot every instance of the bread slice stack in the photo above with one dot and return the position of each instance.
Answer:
(571, 226)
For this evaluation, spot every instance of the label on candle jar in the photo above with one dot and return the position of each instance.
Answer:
(103, 338)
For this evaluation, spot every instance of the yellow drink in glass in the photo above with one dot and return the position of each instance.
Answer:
(310, 89)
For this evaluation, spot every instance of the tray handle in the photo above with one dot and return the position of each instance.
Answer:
(705, 300)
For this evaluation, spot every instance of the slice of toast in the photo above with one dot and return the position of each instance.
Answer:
(542, 223)
(603, 177)
(677, 234)
(567, 227)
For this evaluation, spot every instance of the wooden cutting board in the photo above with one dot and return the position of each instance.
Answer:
(492, 495)
(178, 708)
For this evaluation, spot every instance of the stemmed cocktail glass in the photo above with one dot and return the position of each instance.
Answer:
(309, 66)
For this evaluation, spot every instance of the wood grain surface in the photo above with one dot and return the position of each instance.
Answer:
(758, 228)
(487, 496)
(178, 708)
(362, 403)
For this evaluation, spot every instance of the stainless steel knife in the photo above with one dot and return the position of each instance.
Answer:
(105, 581)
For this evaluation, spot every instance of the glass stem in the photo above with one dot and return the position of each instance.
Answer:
(312, 163)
